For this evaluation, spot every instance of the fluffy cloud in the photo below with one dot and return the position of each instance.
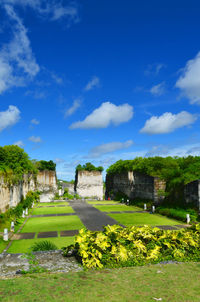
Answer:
(19, 144)
(53, 10)
(17, 61)
(109, 147)
(154, 69)
(35, 122)
(168, 122)
(35, 139)
(158, 90)
(94, 82)
(59, 160)
(76, 104)
(105, 115)
(189, 81)
(9, 117)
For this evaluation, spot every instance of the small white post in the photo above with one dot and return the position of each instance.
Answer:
(12, 228)
(59, 192)
(188, 218)
(5, 235)
(145, 206)
(153, 209)
(122, 200)
(26, 212)
(23, 214)
(33, 204)
(127, 202)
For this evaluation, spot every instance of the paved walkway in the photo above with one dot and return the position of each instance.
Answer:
(92, 218)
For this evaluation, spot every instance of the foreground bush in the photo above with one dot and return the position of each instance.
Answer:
(44, 245)
(117, 246)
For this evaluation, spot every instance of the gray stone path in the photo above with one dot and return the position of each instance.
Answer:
(93, 219)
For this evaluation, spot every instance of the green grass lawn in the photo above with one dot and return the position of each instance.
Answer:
(3, 244)
(55, 203)
(23, 246)
(172, 282)
(143, 218)
(45, 224)
(117, 208)
(54, 210)
(103, 202)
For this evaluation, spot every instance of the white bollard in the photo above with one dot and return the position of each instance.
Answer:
(23, 214)
(188, 218)
(145, 206)
(122, 200)
(12, 228)
(153, 209)
(26, 212)
(127, 202)
(33, 204)
(5, 235)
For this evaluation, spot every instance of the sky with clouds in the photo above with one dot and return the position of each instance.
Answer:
(100, 80)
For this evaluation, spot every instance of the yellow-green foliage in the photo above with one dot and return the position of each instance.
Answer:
(117, 246)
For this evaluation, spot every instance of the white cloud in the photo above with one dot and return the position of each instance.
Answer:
(17, 62)
(19, 144)
(35, 122)
(53, 10)
(109, 147)
(105, 115)
(94, 82)
(9, 117)
(35, 139)
(59, 160)
(76, 104)
(158, 90)
(168, 122)
(154, 69)
(189, 81)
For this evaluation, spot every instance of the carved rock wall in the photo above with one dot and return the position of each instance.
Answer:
(89, 184)
(134, 185)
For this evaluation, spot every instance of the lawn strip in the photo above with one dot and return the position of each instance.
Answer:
(120, 208)
(54, 210)
(45, 224)
(143, 218)
(22, 246)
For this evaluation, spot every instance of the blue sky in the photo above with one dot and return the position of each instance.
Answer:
(99, 80)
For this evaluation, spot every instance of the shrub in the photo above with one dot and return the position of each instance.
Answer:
(44, 245)
(117, 246)
(178, 213)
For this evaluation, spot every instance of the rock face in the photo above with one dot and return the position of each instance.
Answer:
(192, 193)
(11, 195)
(135, 185)
(89, 184)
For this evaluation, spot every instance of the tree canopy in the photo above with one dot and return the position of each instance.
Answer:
(45, 165)
(89, 167)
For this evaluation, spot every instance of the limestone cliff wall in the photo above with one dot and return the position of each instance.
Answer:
(89, 184)
(11, 195)
(47, 181)
(134, 185)
(192, 193)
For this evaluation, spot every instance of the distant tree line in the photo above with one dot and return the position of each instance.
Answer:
(89, 167)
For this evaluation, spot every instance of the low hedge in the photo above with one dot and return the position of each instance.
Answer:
(117, 246)
(178, 213)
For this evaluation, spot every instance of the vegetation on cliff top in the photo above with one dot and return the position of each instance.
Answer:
(89, 167)
(15, 162)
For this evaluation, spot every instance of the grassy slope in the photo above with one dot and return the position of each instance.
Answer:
(117, 208)
(172, 282)
(45, 224)
(143, 218)
(54, 210)
(3, 244)
(23, 246)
